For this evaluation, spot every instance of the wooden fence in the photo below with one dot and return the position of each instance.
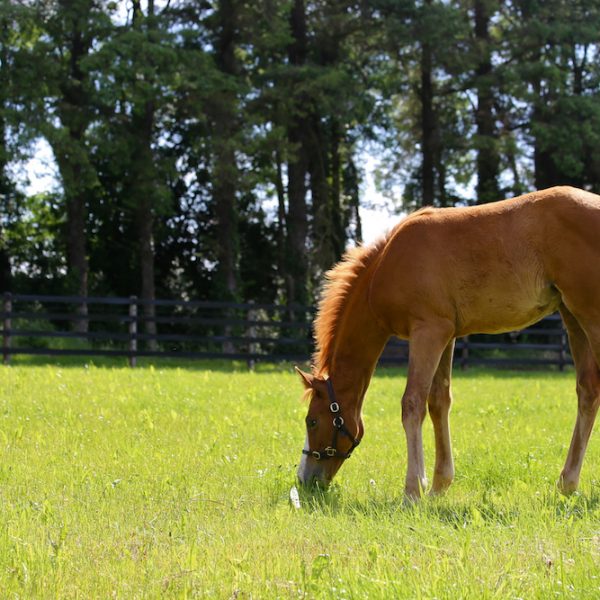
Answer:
(132, 328)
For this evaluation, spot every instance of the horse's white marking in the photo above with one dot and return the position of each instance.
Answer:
(302, 467)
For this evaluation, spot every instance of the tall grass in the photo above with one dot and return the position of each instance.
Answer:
(174, 482)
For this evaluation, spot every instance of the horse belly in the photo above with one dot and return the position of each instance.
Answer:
(509, 306)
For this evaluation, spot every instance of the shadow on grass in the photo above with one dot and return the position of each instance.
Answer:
(479, 511)
(577, 506)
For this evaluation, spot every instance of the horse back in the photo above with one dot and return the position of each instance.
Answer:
(490, 268)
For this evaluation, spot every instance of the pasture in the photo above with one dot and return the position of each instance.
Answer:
(173, 482)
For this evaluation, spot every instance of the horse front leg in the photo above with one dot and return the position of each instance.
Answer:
(439, 402)
(426, 345)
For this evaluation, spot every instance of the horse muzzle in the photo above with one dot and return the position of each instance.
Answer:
(311, 471)
(312, 474)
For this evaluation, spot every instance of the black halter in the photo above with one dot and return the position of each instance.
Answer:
(339, 427)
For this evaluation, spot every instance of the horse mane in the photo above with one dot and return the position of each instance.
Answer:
(339, 283)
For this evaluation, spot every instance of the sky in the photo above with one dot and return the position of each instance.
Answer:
(40, 174)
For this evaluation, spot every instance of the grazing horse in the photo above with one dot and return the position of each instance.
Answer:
(442, 274)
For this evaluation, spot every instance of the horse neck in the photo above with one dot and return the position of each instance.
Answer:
(360, 340)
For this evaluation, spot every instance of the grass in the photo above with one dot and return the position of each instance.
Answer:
(173, 482)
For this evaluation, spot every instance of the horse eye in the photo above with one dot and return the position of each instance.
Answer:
(311, 423)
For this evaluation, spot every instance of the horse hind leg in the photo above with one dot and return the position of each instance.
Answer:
(439, 402)
(585, 350)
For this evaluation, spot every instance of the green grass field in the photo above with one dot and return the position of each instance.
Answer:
(174, 482)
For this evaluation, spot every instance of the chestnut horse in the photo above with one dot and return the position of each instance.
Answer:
(442, 274)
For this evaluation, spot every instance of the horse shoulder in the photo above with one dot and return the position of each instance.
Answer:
(407, 283)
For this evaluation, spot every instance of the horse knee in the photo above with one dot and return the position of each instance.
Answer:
(413, 408)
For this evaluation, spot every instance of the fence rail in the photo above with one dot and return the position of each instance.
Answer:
(57, 326)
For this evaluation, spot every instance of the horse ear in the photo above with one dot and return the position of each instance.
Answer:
(307, 379)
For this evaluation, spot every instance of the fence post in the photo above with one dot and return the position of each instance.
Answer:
(464, 358)
(7, 325)
(132, 330)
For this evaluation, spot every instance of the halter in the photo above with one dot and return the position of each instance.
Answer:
(339, 427)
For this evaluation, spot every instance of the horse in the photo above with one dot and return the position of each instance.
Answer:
(439, 274)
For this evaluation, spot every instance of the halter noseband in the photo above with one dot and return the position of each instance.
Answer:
(339, 427)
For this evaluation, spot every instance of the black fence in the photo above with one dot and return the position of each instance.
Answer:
(132, 328)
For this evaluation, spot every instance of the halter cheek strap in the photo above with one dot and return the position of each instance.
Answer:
(338, 427)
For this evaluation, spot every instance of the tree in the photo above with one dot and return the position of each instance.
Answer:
(223, 108)
(213, 149)
(63, 110)
(297, 266)
(425, 119)
(486, 140)
(135, 76)
(7, 188)
(552, 71)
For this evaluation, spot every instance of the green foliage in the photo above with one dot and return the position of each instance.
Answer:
(33, 242)
(173, 481)
(205, 137)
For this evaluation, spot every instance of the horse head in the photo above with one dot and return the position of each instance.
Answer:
(331, 433)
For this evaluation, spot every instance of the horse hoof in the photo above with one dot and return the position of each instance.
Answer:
(410, 499)
(414, 494)
(566, 487)
(438, 490)
(440, 485)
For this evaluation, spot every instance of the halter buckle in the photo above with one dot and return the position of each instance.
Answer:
(330, 451)
(334, 407)
(338, 422)
(316, 455)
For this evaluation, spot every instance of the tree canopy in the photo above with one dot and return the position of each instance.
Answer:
(216, 149)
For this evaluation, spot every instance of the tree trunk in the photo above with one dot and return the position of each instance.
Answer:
(5, 270)
(321, 207)
(6, 189)
(75, 193)
(427, 127)
(72, 156)
(143, 192)
(145, 228)
(297, 223)
(281, 220)
(545, 171)
(338, 221)
(297, 217)
(225, 173)
(352, 192)
(488, 162)
(143, 195)
(77, 253)
(224, 196)
(441, 177)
